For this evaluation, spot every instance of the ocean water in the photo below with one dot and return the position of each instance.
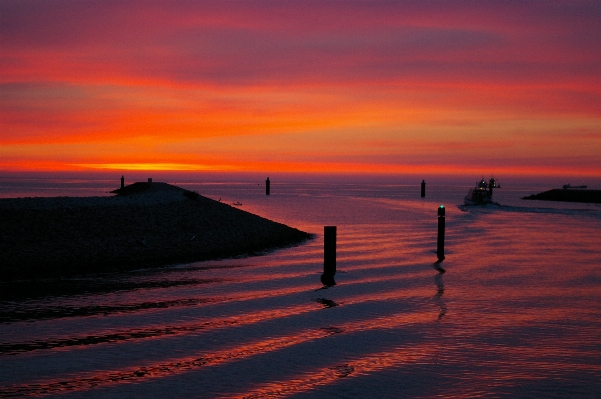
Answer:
(515, 315)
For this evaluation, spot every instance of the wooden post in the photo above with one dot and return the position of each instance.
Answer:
(441, 226)
(267, 186)
(329, 256)
(122, 182)
(423, 188)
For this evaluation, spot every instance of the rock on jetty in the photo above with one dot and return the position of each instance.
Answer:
(144, 225)
(588, 196)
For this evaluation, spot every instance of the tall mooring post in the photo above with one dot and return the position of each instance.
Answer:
(440, 243)
(423, 188)
(267, 186)
(329, 256)
(122, 182)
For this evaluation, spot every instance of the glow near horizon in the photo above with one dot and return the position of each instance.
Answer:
(339, 86)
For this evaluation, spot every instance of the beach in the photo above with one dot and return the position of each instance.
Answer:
(157, 225)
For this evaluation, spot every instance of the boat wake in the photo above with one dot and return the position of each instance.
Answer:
(524, 209)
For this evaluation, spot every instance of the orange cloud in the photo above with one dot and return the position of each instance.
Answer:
(366, 88)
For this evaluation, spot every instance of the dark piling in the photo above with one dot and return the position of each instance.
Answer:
(441, 227)
(329, 256)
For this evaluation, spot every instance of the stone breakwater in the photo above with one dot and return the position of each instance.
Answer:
(570, 195)
(149, 226)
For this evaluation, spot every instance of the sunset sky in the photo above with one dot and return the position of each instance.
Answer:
(302, 86)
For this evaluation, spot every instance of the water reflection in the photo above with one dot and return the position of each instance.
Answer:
(327, 303)
(438, 297)
(400, 358)
(41, 289)
(86, 381)
(262, 325)
(439, 268)
(344, 370)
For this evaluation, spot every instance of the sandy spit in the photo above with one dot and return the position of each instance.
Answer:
(149, 226)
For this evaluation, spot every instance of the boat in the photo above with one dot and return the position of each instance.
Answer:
(236, 203)
(482, 193)
(567, 186)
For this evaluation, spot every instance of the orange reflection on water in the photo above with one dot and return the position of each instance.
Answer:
(511, 365)
(87, 381)
(328, 375)
(162, 331)
(499, 368)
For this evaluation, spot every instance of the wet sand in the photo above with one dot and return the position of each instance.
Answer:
(146, 225)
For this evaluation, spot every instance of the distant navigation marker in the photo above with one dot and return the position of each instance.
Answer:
(267, 186)
(423, 188)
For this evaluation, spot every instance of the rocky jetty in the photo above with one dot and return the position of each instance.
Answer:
(568, 195)
(144, 225)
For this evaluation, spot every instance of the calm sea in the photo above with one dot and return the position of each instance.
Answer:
(517, 314)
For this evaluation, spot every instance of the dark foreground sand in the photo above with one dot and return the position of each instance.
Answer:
(146, 225)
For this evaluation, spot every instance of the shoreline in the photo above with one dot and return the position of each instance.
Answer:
(153, 225)
(568, 195)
